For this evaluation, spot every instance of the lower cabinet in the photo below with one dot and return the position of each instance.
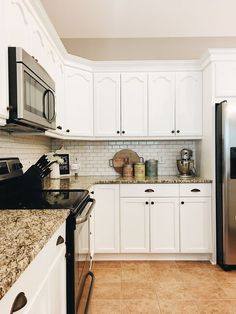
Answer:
(149, 225)
(164, 225)
(195, 225)
(134, 225)
(107, 222)
(43, 283)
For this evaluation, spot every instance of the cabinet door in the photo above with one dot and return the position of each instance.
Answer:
(78, 102)
(134, 104)
(107, 218)
(60, 96)
(189, 104)
(195, 225)
(134, 225)
(161, 98)
(107, 104)
(225, 79)
(164, 224)
(19, 25)
(57, 284)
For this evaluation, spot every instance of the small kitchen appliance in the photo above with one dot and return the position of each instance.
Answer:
(185, 165)
(20, 190)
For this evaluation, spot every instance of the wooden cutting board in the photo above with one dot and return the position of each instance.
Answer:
(120, 158)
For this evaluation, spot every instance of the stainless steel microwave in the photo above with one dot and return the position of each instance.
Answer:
(31, 92)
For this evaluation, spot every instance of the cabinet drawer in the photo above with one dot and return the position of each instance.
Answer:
(149, 190)
(195, 189)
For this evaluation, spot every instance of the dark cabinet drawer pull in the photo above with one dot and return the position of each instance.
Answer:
(19, 302)
(152, 203)
(182, 203)
(60, 240)
(195, 190)
(146, 203)
(149, 190)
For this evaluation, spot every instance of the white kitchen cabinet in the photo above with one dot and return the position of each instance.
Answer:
(134, 104)
(189, 104)
(19, 25)
(107, 104)
(78, 102)
(107, 218)
(225, 79)
(43, 282)
(161, 98)
(134, 225)
(164, 225)
(195, 225)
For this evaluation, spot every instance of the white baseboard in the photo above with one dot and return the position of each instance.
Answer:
(153, 257)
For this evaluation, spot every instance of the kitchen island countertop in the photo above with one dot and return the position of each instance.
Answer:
(86, 182)
(23, 234)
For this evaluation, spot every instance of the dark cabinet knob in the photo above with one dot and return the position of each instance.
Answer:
(182, 203)
(60, 240)
(152, 203)
(172, 131)
(123, 132)
(178, 131)
(67, 131)
(118, 132)
(59, 127)
(92, 192)
(19, 302)
(146, 203)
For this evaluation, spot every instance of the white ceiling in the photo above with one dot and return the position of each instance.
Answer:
(142, 18)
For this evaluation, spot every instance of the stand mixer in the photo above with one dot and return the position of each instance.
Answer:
(185, 165)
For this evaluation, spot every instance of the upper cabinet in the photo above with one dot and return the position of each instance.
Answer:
(189, 104)
(175, 104)
(106, 104)
(134, 104)
(161, 95)
(225, 79)
(120, 104)
(78, 102)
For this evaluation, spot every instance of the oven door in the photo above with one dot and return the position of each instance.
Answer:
(84, 278)
(35, 99)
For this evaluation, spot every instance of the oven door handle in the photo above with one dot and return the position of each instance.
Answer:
(85, 218)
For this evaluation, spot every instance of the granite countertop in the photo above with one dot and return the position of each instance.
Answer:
(85, 182)
(23, 234)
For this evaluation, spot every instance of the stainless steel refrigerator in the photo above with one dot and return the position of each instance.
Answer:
(226, 184)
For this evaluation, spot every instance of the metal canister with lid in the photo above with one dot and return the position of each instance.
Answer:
(139, 170)
(127, 170)
(151, 167)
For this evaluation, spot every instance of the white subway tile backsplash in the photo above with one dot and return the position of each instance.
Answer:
(27, 148)
(94, 156)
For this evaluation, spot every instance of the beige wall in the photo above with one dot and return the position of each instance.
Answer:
(145, 48)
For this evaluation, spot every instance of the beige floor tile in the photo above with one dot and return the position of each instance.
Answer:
(204, 290)
(163, 265)
(137, 290)
(105, 307)
(136, 272)
(173, 291)
(166, 275)
(106, 264)
(193, 264)
(106, 291)
(229, 290)
(178, 306)
(140, 306)
(135, 264)
(217, 306)
(224, 276)
(107, 275)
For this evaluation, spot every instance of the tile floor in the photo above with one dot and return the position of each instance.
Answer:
(162, 287)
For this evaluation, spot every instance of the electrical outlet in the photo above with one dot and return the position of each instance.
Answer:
(161, 160)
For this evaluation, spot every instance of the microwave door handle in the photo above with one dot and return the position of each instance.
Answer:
(52, 105)
(45, 98)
